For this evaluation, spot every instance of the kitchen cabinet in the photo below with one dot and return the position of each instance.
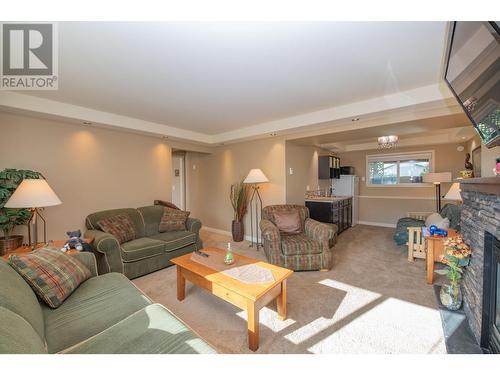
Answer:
(337, 211)
(328, 167)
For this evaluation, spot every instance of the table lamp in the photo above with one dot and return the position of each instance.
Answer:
(437, 178)
(34, 194)
(254, 178)
(454, 193)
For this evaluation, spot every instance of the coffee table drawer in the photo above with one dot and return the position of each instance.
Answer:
(229, 296)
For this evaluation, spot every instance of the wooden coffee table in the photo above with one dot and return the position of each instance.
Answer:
(249, 297)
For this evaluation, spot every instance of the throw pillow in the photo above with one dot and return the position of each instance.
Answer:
(52, 274)
(173, 220)
(437, 220)
(288, 221)
(120, 226)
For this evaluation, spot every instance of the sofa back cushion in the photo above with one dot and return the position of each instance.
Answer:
(92, 219)
(17, 336)
(151, 216)
(17, 296)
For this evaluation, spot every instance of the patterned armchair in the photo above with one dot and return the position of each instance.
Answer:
(312, 249)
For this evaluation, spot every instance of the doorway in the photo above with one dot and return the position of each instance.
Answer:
(179, 179)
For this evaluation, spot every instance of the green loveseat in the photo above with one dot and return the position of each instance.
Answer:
(105, 314)
(149, 252)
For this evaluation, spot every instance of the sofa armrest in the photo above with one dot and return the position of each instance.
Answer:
(108, 246)
(193, 225)
(272, 241)
(88, 259)
(325, 233)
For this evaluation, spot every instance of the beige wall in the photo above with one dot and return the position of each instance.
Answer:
(387, 204)
(209, 183)
(304, 162)
(90, 169)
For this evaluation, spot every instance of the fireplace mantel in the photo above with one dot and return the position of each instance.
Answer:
(486, 185)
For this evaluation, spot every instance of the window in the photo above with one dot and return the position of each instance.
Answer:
(403, 169)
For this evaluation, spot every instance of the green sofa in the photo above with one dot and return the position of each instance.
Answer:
(149, 252)
(106, 314)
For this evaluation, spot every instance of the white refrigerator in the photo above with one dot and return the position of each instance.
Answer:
(348, 185)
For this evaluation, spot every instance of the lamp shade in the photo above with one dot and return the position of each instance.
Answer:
(437, 177)
(454, 193)
(33, 193)
(255, 176)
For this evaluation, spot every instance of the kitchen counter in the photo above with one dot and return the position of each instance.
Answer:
(334, 198)
(336, 209)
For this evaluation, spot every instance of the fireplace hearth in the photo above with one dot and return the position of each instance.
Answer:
(490, 327)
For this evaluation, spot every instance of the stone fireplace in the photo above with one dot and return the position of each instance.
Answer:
(480, 225)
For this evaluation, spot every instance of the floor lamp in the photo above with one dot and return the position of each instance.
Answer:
(34, 194)
(254, 178)
(437, 178)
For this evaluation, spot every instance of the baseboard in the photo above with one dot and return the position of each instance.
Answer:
(225, 232)
(377, 224)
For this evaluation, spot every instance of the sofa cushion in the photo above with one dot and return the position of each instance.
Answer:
(92, 219)
(151, 216)
(17, 296)
(175, 240)
(52, 274)
(17, 336)
(152, 330)
(299, 244)
(120, 226)
(97, 304)
(141, 248)
(173, 220)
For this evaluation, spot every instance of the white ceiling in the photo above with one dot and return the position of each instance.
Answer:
(213, 78)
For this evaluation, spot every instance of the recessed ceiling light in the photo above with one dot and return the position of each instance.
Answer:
(273, 134)
(355, 119)
(164, 137)
(464, 137)
(86, 123)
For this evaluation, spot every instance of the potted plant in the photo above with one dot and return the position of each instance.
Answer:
(239, 201)
(10, 217)
(457, 255)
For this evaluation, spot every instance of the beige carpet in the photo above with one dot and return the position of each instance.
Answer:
(372, 301)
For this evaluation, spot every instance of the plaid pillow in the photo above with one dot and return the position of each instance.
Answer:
(52, 274)
(173, 220)
(120, 226)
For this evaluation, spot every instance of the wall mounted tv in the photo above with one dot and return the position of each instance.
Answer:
(473, 75)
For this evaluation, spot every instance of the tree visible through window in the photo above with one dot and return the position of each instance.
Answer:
(404, 168)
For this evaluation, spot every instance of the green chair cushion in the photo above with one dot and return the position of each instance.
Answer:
(300, 244)
(17, 296)
(175, 240)
(97, 304)
(17, 336)
(152, 330)
(141, 248)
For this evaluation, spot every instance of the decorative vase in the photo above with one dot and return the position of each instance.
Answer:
(10, 243)
(451, 296)
(229, 258)
(237, 231)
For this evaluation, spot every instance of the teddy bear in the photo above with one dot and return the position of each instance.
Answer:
(75, 242)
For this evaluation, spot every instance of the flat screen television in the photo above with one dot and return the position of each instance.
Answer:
(473, 75)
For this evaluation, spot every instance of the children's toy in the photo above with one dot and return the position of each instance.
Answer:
(437, 232)
(75, 242)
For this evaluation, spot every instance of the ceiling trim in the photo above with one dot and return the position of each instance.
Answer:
(431, 100)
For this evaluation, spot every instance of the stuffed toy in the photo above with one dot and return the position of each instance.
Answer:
(75, 242)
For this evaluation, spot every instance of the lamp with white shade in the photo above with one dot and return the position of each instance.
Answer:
(437, 178)
(454, 193)
(254, 178)
(34, 194)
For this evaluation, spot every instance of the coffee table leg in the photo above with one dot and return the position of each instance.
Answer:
(430, 261)
(253, 326)
(281, 301)
(181, 284)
